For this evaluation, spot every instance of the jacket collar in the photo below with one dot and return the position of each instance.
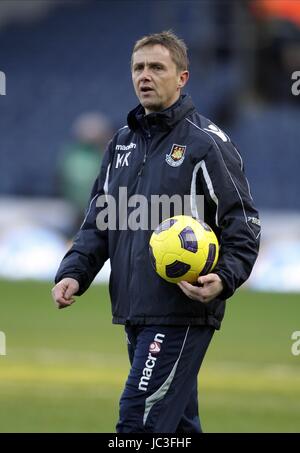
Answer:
(164, 120)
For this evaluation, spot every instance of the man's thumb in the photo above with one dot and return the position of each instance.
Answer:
(69, 291)
(205, 279)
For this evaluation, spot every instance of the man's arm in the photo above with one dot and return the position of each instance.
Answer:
(227, 196)
(89, 251)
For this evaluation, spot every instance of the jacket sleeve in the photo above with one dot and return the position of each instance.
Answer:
(228, 197)
(90, 246)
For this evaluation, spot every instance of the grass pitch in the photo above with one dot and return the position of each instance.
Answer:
(65, 369)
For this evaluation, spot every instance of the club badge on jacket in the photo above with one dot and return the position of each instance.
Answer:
(176, 155)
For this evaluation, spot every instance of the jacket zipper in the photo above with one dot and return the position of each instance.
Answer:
(148, 138)
(131, 264)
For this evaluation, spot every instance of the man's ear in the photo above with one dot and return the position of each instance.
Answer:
(183, 78)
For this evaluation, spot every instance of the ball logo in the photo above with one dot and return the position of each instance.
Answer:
(154, 347)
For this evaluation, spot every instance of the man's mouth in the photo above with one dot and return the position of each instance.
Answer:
(146, 89)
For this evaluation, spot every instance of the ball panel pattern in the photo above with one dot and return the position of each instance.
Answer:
(165, 225)
(188, 240)
(210, 259)
(177, 269)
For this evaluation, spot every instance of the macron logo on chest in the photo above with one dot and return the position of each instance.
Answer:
(122, 160)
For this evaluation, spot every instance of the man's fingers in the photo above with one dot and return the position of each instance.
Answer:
(192, 289)
(63, 292)
(193, 292)
(185, 285)
(207, 279)
(70, 290)
(183, 288)
(60, 306)
(63, 300)
(202, 294)
(63, 303)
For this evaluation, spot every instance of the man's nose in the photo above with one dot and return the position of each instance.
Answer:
(145, 75)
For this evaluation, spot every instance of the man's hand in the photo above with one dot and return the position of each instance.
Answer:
(64, 290)
(211, 287)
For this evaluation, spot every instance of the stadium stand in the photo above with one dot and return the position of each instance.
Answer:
(73, 60)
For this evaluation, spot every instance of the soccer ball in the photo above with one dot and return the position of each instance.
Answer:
(182, 248)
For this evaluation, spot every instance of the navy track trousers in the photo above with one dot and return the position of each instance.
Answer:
(160, 394)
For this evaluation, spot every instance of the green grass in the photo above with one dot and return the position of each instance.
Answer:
(65, 369)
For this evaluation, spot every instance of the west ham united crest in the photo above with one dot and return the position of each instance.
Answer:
(176, 155)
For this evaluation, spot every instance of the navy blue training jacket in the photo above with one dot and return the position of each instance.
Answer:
(141, 158)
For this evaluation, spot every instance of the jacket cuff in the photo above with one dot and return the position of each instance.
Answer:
(228, 291)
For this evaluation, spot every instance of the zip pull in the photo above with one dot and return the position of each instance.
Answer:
(148, 137)
(142, 166)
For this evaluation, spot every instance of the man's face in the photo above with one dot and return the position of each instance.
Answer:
(156, 80)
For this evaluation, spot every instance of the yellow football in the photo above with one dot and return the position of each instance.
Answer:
(182, 248)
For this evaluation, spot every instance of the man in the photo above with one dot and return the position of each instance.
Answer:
(169, 327)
